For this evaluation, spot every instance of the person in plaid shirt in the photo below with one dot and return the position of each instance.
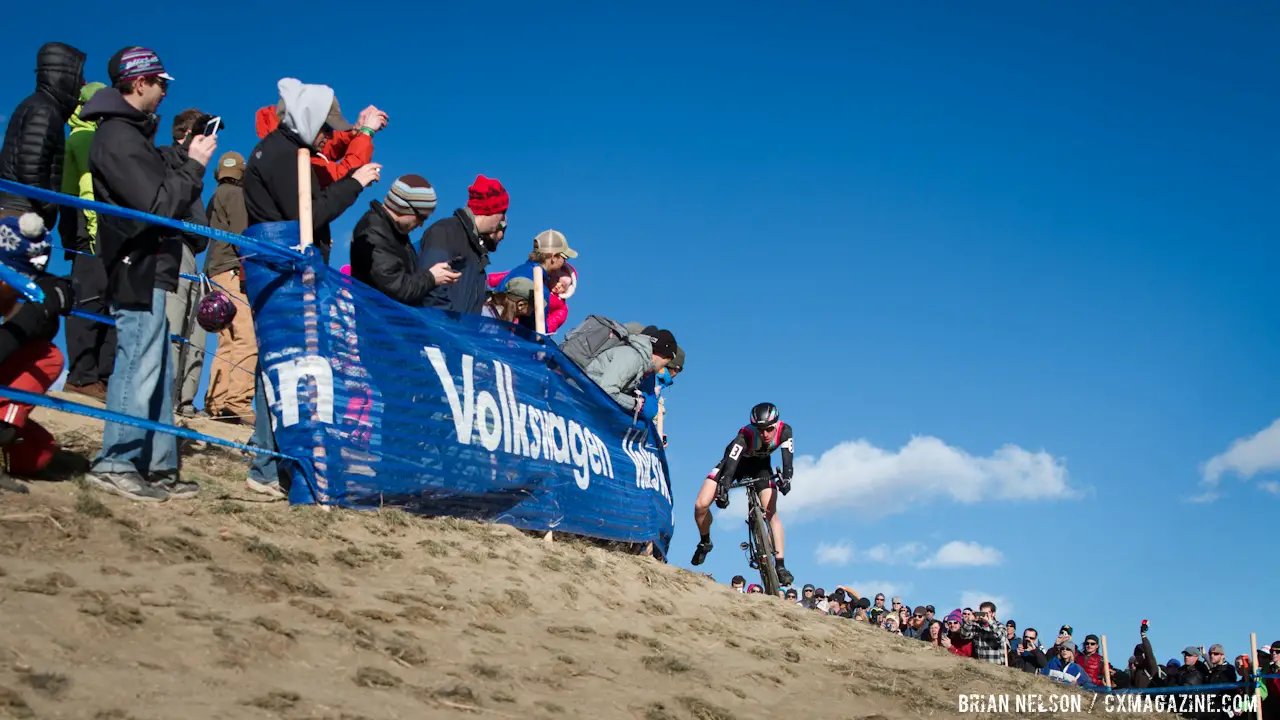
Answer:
(987, 634)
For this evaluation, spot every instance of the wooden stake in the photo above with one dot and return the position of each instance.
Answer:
(539, 303)
(1257, 670)
(305, 228)
(548, 538)
(1106, 663)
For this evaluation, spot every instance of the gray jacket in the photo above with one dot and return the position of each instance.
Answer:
(619, 370)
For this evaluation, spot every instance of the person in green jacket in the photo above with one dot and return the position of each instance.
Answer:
(91, 346)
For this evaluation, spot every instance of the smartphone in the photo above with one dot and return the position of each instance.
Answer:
(457, 263)
(211, 128)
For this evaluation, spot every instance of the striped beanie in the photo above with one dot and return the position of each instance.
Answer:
(411, 195)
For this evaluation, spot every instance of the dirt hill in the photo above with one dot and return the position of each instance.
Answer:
(225, 607)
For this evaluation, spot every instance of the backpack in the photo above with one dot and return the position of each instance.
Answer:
(589, 340)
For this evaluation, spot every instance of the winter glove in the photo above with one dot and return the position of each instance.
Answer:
(59, 294)
(648, 408)
(722, 496)
(784, 486)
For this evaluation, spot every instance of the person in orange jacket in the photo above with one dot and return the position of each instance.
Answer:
(350, 147)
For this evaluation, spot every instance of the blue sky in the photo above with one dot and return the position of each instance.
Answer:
(1040, 240)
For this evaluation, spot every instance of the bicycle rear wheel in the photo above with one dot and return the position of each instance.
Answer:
(764, 552)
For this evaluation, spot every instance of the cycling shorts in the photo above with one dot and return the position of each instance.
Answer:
(760, 468)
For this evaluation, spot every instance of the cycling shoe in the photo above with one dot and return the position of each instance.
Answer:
(700, 554)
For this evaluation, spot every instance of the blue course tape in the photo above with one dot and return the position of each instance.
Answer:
(21, 283)
(181, 225)
(106, 415)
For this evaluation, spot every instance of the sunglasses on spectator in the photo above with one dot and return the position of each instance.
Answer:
(918, 617)
(157, 80)
(1090, 642)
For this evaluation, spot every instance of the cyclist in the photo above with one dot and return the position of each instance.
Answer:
(749, 456)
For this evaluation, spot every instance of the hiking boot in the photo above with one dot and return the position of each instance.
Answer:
(700, 553)
(96, 390)
(128, 485)
(784, 576)
(177, 488)
(271, 489)
(227, 416)
(8, 484)
(187, 410)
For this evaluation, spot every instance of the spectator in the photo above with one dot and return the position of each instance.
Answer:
(271, 195)
(271, 177)
(1221, 672)
(91, 345)
(467, 236)
(33, 141)
(382, 255)
(916, 626)
(877, 609)
(1064, 636)
(1062, 667)
(550, 250)
(738, 583)
(1091, 660)
(892, 624)
(929, 613)
(754, 589)
(1011, 633)
(177, 257)
(511, 304)
(956, 641)
(619, 370)
(1027, 655)
(935, 633)
(966, 615)
(792, 595)
(987, 634)
(896, 605)
(29, 360)
(344, 150)
(562, 283)
(808, 602)
(904, 617)
(820, 600)
(1193, 670)
(130, 172)
(230, 395)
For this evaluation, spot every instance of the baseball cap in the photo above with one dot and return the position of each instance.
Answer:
(1216, 648)
(1012, 624)
(520, 288)
(1067, 629)
(920, 610)
(677, 361)
(335, 119)
(1191, 650)
(1091, 636)
(231, 165)
(664, 343)
(135, 62)
(553, 242)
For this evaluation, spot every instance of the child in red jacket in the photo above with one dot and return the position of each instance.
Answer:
(29, 360)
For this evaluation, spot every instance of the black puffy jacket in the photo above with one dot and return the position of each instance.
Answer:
(456, 236)
(383, 258)
(34, 141)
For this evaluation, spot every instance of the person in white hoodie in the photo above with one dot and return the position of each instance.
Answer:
(271, 195)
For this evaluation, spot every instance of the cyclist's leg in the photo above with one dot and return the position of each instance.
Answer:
(702, 515)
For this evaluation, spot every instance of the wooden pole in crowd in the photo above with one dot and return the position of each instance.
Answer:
(305, 228)
(1106, 662)
(1257, 670)
(539, 303)
(306, 235)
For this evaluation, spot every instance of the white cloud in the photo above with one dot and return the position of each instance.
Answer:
(1246, 457)
(861, 477)
(869, 588)
(1270, 486)
(1206, 497)
(974, 598)
(903, 554)
(964, 554)
(838, 554)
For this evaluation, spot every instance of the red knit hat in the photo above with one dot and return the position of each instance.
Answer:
(486, 196)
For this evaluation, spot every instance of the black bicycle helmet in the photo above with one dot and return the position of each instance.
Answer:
(764, 414)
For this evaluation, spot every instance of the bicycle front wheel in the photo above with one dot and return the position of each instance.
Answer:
(764, 552)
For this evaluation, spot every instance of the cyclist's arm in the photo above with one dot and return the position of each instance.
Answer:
(732, 454)
(788, 450)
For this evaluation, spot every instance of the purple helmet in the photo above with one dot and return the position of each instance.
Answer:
(216, 312)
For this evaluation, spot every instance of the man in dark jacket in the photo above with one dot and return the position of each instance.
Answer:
(33, 141)
(382, 256)
(230, 396)
(467, 236)
(271, 195)
(271, 177)
(1027, 655)
(129, 171)
(177, 257)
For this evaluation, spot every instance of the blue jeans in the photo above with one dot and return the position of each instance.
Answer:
(263, 468)
(142, 386)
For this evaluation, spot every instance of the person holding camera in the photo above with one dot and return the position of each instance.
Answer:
(987, 634)
(1027, 655)
(382, 254)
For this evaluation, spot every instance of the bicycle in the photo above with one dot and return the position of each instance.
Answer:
(759, 545)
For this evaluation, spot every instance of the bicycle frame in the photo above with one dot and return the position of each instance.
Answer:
(759, 546)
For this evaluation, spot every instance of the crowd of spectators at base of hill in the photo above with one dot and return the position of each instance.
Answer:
(97, 141)
(980, 635)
